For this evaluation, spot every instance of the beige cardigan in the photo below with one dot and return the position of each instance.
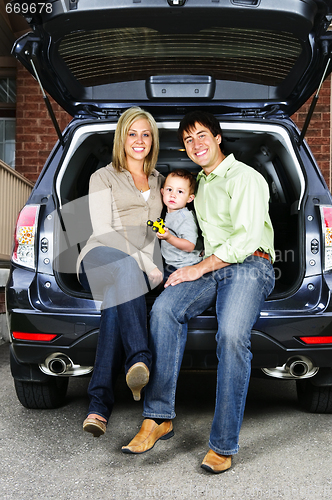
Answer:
(119, 215)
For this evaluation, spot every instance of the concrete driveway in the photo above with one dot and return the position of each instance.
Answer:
(285, 453)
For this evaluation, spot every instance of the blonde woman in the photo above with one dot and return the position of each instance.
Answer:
(117, 264)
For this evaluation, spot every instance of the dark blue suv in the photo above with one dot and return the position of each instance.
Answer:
(252, 63)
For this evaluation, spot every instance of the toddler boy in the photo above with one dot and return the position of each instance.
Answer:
(180, 245)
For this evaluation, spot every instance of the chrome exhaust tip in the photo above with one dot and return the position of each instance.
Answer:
(60, 365)
(296, 367)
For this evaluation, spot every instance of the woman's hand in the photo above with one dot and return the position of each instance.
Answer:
(155, 277)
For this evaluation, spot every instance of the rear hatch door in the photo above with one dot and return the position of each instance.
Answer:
(230, 55)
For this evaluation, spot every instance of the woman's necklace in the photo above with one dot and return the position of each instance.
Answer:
(141, 182)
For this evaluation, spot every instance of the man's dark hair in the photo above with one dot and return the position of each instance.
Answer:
(180, 172)
(206, 119)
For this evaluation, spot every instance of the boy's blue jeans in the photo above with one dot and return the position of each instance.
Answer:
(239, 291)
(116, 278)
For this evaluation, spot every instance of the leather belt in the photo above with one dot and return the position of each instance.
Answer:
(266, 256)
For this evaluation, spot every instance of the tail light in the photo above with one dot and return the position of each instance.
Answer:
(316, 340)
(326, 213)
(24, 253)
(40, 337)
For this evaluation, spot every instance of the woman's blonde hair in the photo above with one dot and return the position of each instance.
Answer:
(126, 120)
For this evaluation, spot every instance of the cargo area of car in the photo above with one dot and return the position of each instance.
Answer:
(266, 148)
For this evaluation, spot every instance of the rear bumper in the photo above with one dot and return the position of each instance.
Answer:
(274, 340)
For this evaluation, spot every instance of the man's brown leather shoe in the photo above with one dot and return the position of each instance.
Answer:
(95, 426)
(137, 377)
(213, 462)
(148, 435)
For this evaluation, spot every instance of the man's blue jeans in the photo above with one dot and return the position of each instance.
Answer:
(114, 277)
(240, 291)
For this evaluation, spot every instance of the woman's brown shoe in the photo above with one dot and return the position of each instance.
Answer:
(148, 435)
(95, 426)
(137, 377)
(213, 462)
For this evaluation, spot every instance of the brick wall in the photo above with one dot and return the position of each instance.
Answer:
(35, 133)
(318, 135)
(2, 300)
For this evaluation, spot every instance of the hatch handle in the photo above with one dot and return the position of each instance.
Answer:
(45, 97)
(313, 103)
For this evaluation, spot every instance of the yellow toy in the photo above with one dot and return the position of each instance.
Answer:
(157, 226)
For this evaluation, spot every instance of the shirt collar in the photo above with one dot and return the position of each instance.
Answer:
(220, 170)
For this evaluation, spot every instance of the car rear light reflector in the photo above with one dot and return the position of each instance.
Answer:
(39, 337)
(326, 215)
(24, 238)
(316, 340)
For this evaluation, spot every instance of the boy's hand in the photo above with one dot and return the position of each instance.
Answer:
(180, 243)
(166, 236)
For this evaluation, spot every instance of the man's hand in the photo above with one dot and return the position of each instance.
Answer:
(187, 273)
(155, 277)
(192, 273)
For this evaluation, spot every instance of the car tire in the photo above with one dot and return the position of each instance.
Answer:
(312, 398)
(42, 395)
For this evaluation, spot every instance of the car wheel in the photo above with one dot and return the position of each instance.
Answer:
(42, 395)
(312, 398)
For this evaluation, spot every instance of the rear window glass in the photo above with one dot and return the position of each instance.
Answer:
(126, 54)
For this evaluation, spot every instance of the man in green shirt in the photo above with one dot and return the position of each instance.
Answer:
(231, 205)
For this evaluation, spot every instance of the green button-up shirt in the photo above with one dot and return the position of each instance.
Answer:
(232, 204)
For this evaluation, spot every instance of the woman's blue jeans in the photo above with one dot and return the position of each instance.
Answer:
(239, 291)
(115, 278)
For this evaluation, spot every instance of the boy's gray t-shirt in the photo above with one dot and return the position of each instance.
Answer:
(182, 224)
